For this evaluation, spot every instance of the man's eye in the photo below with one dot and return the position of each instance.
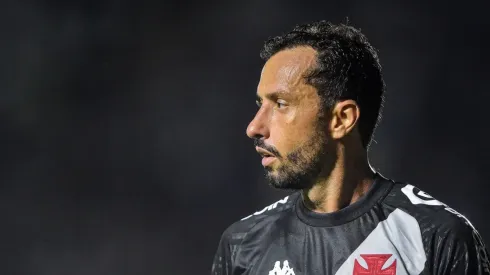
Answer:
(259, 104)
(281, 104)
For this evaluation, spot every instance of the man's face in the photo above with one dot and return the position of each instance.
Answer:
(289, 129)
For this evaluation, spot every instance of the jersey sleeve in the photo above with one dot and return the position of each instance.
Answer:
(461, 252)
(222, 264)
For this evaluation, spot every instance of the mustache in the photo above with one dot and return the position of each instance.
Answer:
(258, 142)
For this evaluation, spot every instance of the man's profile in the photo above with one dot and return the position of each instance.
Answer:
(319, 101)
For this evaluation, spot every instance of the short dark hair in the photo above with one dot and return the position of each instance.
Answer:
(347, 68)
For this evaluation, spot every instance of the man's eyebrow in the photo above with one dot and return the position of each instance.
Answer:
(273, 95)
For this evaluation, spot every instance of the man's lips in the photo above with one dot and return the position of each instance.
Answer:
(267, 157)
(266, 161)
(263, 152)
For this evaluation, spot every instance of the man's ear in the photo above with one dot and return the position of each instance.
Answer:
(345, 115)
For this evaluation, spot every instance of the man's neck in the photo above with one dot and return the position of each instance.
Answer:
(344, 185)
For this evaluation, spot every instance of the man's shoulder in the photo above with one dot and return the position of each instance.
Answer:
(445, 230)
(430, 212)
(261, 218)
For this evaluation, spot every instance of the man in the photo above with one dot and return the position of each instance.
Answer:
(320, 96)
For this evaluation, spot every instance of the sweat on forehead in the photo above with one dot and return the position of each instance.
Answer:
(289, 66)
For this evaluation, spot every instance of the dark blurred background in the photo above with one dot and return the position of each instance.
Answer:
(123, 146)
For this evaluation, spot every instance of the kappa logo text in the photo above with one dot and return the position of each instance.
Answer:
(267, 208)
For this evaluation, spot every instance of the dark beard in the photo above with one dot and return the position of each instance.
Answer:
(301, 167)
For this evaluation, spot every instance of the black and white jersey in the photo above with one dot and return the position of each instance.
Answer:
(394, 228)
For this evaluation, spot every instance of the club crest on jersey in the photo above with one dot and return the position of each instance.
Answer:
(375, 265)
(285, 270)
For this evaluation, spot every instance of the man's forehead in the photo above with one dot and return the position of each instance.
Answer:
(286, 69)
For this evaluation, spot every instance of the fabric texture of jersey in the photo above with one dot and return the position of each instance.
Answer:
(393, 229)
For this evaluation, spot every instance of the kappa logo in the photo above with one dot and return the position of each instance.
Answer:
(267, 208)
(285, 270)
(375, 265)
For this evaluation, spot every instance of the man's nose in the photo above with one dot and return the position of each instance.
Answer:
(258, 127)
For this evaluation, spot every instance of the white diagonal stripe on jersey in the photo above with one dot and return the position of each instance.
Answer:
(398, 235)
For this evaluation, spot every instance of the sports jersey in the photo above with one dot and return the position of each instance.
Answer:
(395, 228)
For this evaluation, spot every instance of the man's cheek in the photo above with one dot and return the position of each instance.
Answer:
(291, 117)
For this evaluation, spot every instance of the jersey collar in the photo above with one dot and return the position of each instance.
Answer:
(378, 190)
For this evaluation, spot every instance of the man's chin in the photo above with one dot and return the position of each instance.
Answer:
(277, 182)
(281, 180)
